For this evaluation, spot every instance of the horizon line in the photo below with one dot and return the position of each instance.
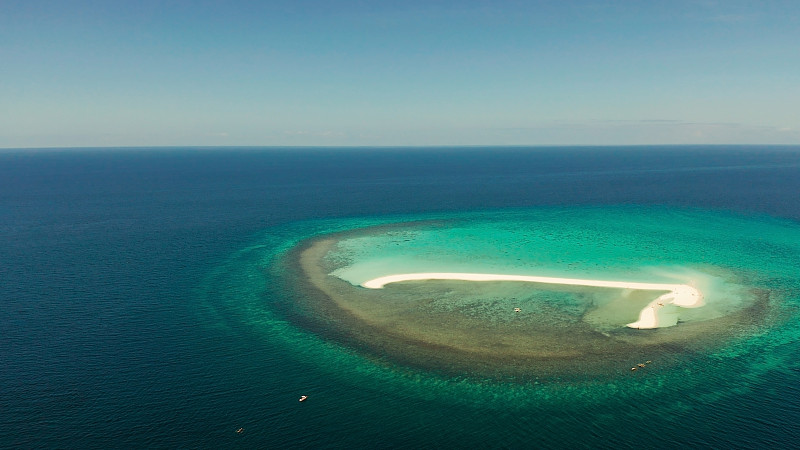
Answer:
(417, 146)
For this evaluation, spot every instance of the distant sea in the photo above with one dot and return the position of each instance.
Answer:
(140, 304)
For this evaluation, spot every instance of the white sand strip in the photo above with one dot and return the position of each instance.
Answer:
(681, 295)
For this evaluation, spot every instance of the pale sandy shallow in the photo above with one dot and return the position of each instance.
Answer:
(652, 316)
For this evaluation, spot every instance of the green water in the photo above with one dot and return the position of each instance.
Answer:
(727, 256)
(624, 243)
(714, 253)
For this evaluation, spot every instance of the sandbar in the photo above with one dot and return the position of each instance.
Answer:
(652, 316)
(457, 328)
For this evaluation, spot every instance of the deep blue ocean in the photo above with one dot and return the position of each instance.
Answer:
(117, 327)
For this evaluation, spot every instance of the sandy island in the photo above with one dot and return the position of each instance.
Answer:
(456, 327)
(652, 316)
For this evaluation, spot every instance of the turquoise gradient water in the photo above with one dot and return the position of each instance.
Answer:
(650, 245)
(728, 253)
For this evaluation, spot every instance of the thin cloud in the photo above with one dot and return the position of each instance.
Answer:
(325, 133)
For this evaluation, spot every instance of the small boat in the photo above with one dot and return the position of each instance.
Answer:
(303, 398)
(240, 430)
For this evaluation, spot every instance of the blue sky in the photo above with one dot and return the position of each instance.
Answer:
(303, 72)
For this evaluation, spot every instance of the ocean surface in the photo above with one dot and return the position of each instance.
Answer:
(143, 301)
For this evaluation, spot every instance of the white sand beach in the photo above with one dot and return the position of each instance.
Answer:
(654, 315)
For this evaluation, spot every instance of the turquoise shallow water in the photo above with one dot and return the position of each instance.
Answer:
(716, 253)
(602, 243)
(727, 254)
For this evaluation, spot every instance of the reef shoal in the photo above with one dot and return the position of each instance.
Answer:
(507, 329)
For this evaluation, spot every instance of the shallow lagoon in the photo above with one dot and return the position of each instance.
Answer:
(564, 334)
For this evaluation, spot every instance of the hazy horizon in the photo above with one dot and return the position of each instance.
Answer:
(349, 73)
